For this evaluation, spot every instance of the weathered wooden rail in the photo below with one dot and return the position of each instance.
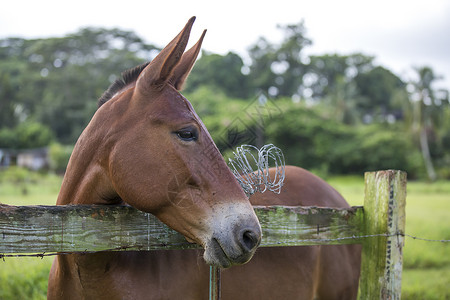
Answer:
(379, 226)
(97, 228)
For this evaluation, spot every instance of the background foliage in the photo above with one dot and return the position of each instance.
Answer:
(334, 113)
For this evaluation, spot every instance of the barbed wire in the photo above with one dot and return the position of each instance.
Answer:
(424, 239)
(124, 248)
(120, 248)
(357, 237)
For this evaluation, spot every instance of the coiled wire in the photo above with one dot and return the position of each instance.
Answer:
(250, 166)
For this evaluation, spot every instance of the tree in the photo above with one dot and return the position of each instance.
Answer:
(56, 81)
(324, 73)
(342, 99)
(377, 88)
(426, 112)
(262, 55)
(289, 56)
(220, 72)
(7, 107)
(279, 70)
(26, 135)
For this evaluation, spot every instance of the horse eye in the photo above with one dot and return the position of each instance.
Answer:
(187, 134)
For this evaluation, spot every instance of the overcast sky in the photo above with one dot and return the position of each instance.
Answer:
(400, 33)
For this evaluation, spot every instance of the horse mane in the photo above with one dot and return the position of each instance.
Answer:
(127, 77)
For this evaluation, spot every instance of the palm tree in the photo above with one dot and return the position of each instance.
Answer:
(426, 112)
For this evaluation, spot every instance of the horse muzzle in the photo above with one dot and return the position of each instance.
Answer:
(236, 235)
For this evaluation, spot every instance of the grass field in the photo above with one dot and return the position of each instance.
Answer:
(426, 273)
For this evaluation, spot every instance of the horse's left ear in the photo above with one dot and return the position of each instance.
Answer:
(184, 67)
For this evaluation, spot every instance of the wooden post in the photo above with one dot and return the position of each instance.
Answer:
(384, 216)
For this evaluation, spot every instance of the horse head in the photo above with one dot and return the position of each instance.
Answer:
(146, 147)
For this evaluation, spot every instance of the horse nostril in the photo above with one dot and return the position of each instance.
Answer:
(249, 240)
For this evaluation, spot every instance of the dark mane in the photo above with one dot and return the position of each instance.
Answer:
(127, 77)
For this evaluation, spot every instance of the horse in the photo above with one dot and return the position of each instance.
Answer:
(146, 147)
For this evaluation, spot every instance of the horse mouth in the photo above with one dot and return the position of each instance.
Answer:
(220, 257)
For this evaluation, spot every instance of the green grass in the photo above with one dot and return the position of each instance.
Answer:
(21, 187)
(426, 273)
(26, 277)
(351, 187)
(425, 284)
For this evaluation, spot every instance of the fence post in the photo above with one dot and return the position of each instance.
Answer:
(384, 215)
(214, 283)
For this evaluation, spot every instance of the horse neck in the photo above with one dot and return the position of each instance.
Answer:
(86, 179)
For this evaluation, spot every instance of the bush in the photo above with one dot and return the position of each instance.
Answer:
(317, 143)
(311, 141)
(25, 136)
(7, 138)
(384, 147)
(59, 157)
(16, 175)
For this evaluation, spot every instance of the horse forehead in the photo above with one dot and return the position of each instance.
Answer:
(171, 105)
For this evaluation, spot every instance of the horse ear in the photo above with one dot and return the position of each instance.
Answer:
(183, 69)
(162, 66)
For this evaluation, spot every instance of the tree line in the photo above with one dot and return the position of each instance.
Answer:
(334, 113)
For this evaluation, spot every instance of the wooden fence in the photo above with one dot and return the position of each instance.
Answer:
(379, 226)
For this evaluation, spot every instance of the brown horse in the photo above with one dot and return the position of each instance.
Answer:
(146, 147)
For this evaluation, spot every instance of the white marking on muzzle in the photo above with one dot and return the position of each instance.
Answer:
(235, 235)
